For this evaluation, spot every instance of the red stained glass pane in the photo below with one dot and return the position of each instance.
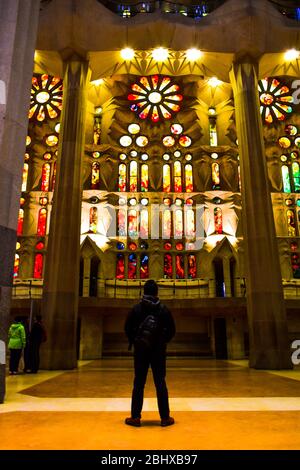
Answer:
(168, 268)
(145, 112)
(53, 177)
(38, 266)
(132, 265)
(192, 267)
(155, 115)
(177, 177)
(16, 265)
(133, 97)
(20, 222)
(120, 267)
(166, 114)
(42, 223)
(132, 224)
(132, 246)
(167, 246)
(166, 178)
(154, 81)
(46, 170)
(179, 267)
(122, 222)
(40, 246)
(218, 220)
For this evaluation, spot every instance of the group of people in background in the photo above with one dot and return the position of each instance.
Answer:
(26, 339)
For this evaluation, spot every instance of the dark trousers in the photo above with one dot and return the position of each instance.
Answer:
(157, 360)
(34, 356)
(15, 356)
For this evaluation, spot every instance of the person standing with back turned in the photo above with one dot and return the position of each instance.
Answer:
(149, 327)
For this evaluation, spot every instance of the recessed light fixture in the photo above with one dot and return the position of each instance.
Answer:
(193, 54)
(292, 54)
(160, 54)
(100, 81)
(127, 53)
(214, 82)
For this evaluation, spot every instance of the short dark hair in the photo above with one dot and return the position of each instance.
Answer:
(150, 288)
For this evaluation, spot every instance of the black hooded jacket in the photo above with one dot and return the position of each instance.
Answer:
(150, 305)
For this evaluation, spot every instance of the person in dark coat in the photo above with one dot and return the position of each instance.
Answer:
(155, 356)
(37, 337)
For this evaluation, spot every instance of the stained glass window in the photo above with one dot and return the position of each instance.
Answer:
(218, 220)
(189, 178)
(144, 270)
(42, 222)
(166, 223)
(190, 223)
(177, 177)
(144, 225)
(120, 268)
(155, 97)
(25, 176)
(133, 176)
(38, 266)
(144, 178)
(132, 265)
(276, 101)
(178, 224)
(46, 170)
(46, 97)
(95, 175)
(53, 177)
(132, 224)
(192, 267)
(179, 267)
(291, 223)
(166, 178)
(168, 266)
(296, 176)
(122, 222)
(93, 219)
(215, 175)
(213, 136)
(20, 222)
(16, 265)
(286, 179)
(295, 261)
(122, 177)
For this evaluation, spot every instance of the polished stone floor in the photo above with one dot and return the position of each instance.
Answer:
(216, 405)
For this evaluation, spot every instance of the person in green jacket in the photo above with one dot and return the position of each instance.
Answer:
(16, 342)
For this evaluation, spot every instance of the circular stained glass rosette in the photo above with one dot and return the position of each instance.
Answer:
(294, 155)
(40, 246)
(28, 140)
(46, 97)
(47, 156)
(176, 129)
(185, 141)
(155, 97)
(168, 246)
(214, 155)
(144, 156)
(122, 156)
(125, 140)
(179, 246)
(120, 246)
(166, 157)
(133, 153)
(297, 142)
(276, 101)
(144, 245)
(168, 141)
(284, 142)
(52, 140)
(167, 202)
(188, 157)
(189, 202)
(96, 154)
(289, 202)
(27, 157)
(177, 154)
(141, 141)
(290, 129)
(134, 128)
(132, 246)
(283, 158)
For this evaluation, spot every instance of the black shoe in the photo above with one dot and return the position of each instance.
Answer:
(167, 421)
(133, 422)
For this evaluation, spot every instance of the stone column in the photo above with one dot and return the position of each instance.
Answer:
(86, 277)
(269, 347)
(61, 280)
(18, 30)
(227, 277)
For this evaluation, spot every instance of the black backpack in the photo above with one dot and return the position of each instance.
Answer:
(148, 331)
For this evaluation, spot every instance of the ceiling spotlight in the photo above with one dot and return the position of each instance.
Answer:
(291, 54)
(212, 111)
(214, 82)
(193, 54)
(100, 81)
(127, 53)
(160, 54)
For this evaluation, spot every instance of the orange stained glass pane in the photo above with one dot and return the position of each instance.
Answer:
(46, 170)
(144, 178)
(25, 176)
(144, 224)
(144, 81)
(164, 83)
(20, 222)
(166, 224)
(133, 176)
(122, 177)
(189, 178)
(166, 178)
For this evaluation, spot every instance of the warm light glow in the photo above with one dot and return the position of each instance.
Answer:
(214, 82)
(160, 54)
(100, 81)
(127, 53)
(292, 54)
(154, 97)
(193, 54)
(212, 111)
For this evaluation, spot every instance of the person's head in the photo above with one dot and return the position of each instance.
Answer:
(151, 288)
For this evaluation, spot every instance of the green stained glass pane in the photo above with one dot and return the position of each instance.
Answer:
(286, 179)
(296, 176)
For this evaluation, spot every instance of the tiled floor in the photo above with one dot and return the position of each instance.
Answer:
(216, 405)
